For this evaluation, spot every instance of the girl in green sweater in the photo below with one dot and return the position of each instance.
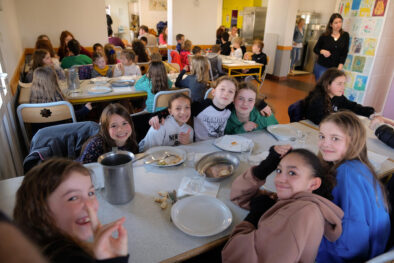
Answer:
(244, 116)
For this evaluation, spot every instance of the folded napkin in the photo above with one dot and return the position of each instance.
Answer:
(209, 188)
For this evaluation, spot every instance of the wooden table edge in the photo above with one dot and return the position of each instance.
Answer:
(106, 98)
(197, 251)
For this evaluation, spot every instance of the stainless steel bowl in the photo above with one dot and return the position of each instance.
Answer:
(221, 160)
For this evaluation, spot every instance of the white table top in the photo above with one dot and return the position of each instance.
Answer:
(238, 62)
(152, 236)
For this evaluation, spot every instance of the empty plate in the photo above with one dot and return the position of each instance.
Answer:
(201, 216)
(99, 80)
(234, 143)
(99, 90)
(283, 132)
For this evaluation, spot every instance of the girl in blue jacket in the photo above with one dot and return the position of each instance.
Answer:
(366, 224)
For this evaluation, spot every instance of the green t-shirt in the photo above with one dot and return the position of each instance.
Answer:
(234, 126)
(68, 62)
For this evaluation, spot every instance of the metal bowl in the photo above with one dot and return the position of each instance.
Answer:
(217, 165)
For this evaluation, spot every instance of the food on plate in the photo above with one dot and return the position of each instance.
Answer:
(219, 170)
(170, 160)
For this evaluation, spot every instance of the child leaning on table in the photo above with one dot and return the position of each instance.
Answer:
(290, 229)
(175, 130)
(116, 130)
(100, 67)
(244, 116)
(127, 66)
(211, 115)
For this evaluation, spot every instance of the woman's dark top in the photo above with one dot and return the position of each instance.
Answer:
(315, 109)
(385, 133)
(338, 50)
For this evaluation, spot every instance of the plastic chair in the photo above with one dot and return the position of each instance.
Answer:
(43, 113)
(141, 124)
(208, 94)
(85, 71)
(162, 97)
(295, 111)
(210, 71)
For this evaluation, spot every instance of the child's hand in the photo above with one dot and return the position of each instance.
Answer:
(282, 149)
(89, 106)
(249, 126)
(121, 68)
(104, 245)
(155, 122)
(266, 111)
(184, 137)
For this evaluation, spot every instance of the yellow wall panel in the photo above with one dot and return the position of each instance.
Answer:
(230, 5)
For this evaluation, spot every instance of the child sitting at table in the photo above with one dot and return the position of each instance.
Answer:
(116, 130)
(186, 51)
(144, 41)
(110, 54)
(236, 50)
(154, 81)
(74, 57)
(216, 62)
(244, 116)
(292, 229)
(198, 79)
(366, 225)
(175, 130)
(140, 51)
(258, 56)
(100, 68)
(196, 51)
(127, 67)
(98, 48)
(56, 207)
(180, 39)
(42, 57)
(225, 46)
(169, 67)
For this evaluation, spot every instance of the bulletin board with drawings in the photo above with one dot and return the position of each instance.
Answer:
(364, 20)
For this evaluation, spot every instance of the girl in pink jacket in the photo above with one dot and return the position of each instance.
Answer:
(292, 229)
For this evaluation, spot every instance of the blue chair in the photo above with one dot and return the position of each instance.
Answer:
(295, 111)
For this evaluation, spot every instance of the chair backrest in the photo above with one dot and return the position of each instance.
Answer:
(141, 124)
(85, 71)
(295, 111)
(44, 113)
(162, 97)
(208, 94)
(144, 66)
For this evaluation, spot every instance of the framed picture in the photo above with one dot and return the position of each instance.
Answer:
(158, 5)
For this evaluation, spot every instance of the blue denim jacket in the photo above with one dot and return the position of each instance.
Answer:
(298, 36)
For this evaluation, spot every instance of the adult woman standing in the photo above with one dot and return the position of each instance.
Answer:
(332, 46)
(297, 43)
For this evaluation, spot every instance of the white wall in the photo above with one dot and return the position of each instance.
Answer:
(120, 16)
(84, 19)
(197, 20)
(325, 8)
(10, 42)
(150, 18)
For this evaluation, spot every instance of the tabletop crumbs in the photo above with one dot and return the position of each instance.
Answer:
(162, 200)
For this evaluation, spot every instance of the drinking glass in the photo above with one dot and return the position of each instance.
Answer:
(190, 159)
(196, 183)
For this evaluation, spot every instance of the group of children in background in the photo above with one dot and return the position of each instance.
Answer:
(337, 192)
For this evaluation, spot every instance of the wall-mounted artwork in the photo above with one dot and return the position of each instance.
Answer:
(380, 8)
(358, 64)
(158, 5)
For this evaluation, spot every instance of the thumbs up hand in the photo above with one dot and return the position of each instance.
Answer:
(184, 137)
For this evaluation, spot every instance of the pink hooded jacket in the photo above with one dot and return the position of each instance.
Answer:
(290, 231)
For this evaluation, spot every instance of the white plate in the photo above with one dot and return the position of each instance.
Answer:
(201, 216)
(283, 132)
(158, 152)
(99, 90)
(233, 143)
(99, 80)
(249, 61)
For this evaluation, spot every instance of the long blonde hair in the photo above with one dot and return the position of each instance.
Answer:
(350, 124)
(200, 68)
(45, 87)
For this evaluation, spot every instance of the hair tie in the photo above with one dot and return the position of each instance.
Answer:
(111, 52)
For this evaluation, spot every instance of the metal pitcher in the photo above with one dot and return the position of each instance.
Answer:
(118, 176)
(72, 78)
